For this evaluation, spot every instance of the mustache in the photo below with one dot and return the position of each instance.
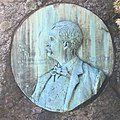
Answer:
(49, 50)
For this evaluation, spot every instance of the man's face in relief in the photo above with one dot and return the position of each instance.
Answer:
(55, 47)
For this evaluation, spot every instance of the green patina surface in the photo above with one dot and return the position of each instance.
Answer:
(29, 58)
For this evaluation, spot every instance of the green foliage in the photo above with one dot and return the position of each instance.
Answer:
(117, 10)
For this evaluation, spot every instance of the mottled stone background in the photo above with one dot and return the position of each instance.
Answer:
(14, 105)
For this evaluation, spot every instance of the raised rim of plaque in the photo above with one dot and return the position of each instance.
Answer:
(107, 77)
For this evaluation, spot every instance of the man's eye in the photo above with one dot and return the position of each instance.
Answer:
(51, 38)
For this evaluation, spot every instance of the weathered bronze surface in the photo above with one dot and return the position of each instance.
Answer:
(33, 68)
(72, 81)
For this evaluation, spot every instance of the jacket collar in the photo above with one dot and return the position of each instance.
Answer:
(75, 66)
(78, 67)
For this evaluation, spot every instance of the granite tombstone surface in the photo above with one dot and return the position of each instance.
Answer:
(61, 56)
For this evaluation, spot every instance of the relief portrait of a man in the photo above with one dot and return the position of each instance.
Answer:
(71, 81)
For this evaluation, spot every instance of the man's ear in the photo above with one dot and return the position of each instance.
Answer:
(66, 45)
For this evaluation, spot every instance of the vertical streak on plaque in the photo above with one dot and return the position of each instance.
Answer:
(92, 38)
(80, 53)
(106, 47)
(36, 37)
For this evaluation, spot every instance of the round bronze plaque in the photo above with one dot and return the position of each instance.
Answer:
(61, 55)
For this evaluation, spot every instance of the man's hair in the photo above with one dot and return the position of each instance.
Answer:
(69, 31)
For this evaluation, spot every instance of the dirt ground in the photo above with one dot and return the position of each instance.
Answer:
(13, 103)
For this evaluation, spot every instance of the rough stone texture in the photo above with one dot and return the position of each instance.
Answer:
(31, 5)
(15, 106)
(5, 25)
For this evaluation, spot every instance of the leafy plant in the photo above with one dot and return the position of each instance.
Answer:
(116, 6)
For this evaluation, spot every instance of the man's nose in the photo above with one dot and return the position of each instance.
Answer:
(48, 45)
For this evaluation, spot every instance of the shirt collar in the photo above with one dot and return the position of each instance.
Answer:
(70, 64)
(74, 65)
